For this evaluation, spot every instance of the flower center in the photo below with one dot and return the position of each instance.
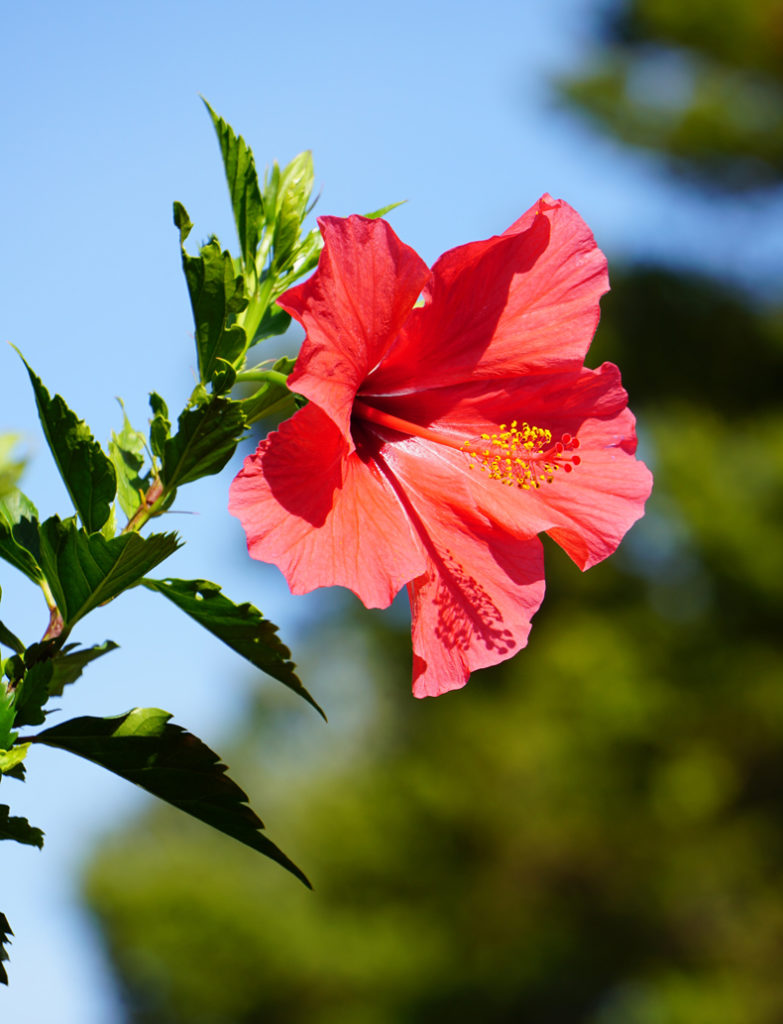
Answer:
(519, 455)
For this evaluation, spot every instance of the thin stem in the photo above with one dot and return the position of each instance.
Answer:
(147, 508)
(270, 376)
(56, 621)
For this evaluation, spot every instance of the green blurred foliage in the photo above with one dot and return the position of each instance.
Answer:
(699, 82)
(590, 833)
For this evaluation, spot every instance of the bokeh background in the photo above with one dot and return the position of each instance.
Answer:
(589, 834)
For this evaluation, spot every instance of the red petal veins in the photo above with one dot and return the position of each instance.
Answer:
(352, 309)
(473, 605)
(523, 302)
(324, 516)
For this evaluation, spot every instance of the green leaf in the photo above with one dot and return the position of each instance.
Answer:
(21, 831)
(160, 426)
(5, 938)
(11, 760)
(126, 451)
(142, 746)
(204, 442)
(217, 294)
(7, 714)
(70, 662)
(10, 639)
(10, 468)
(87, 472)
(19, 534)
(241, 626)
(242, 179)
(86, 570)
(296, 184)
(384, 210)
(31, 693)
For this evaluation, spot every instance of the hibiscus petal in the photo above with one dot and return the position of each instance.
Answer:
(324, 516)
(522, 302)
(473, 605)
(352, 309)
(587, 511)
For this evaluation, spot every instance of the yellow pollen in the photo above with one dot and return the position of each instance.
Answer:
(521, 455)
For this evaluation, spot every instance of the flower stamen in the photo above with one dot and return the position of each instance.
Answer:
(521, 455)
(518, 455)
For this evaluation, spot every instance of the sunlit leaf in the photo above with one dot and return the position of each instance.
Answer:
(86, 570)
(143, 747)
(126, 451)
(87, 472)
(242, 180)
(19, 534)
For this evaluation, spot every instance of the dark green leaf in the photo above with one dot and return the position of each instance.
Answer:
(87, 472)
(204, 442)
(5, 938)
(143, 747)
(32, 692)
(160, 427)
(21, 831)
(70, 662)
(274, 321)
(10, 639)
(19, 534)
(86, 570)
(7, 736)
(216, 295)
(241, 626)
(126, 450)
(243, 187)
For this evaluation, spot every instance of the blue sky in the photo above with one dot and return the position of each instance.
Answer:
(445, 104)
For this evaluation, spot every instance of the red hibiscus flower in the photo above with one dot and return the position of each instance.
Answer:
(442, 436)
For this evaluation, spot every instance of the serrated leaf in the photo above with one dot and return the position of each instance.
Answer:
(241, 626)
(217, 294)
(70, 662)
(86, 570)
(142, 746)
(204, 442)
(5, 938)
(242, 179)
(126, 451)
(87, 472)
(19, 534)
(21, 831)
